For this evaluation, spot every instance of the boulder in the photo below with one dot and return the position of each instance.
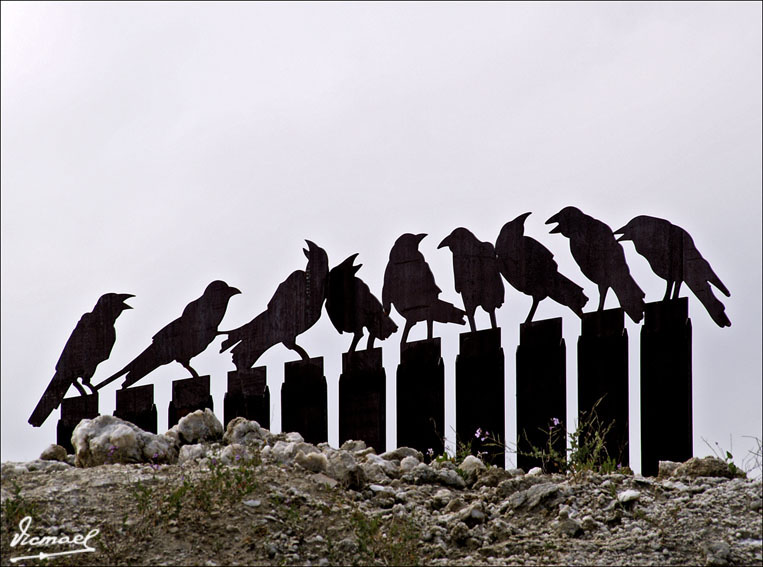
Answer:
(190, 453)
(235, 454)
(197, 427)
(402, 452)
(107, 439)
(707, 466)
(245, 432)
(54, 453)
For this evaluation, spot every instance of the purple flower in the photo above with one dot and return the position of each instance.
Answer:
(478, 432)
(555, 421)
(430, 452)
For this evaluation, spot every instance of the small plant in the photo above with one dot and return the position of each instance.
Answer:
(754, 459)
(587, 452)
(389, 542)
(17, 508)
(726, 457)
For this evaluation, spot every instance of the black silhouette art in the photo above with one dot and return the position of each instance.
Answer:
(184, 338)
(601, 258)
(409, 285)
(672, 255)
(89, 344)
(475, 272)
(351, 305)
(295, 307)
(530, 268)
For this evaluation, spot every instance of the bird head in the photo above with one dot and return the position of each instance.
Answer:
(406, 246)
(459, 240)
(113, 302)
(345, 269)
(316, 257)
(566, 220)
(640, 227)
(221, 289)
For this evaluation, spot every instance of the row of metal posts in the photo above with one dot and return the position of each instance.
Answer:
(665, 380)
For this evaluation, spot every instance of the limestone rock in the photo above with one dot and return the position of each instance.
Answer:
(108, 439)
(245, 432)
(707, 466)
(401, 452)
(315, 462)
(189, 453)
(54, 453)
(235, 454)
(197, 427)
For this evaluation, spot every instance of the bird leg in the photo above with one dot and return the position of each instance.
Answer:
(430, 328)
(667, 291)
(292, 345)
(80, 388)
(531, 314)
(190, 369)
(676, 289)
(603, 289)
(370, 343)
(408, 325)
(355, 341)
(493, 323)
(86, 382)
(472, 324)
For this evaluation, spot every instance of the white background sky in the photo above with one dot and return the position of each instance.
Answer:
(150, 148)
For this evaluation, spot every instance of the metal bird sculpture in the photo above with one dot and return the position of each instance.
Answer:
(295, 307)
(351, 306)
(672, 255)
(89, 344)
(601, 259)
(530, 268)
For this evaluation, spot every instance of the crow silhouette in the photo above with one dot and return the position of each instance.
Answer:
(530, 268)
(295, 307)
(89, 344)
(672, 255)
(475, 272)
(409, 285)
(351, 305)
(182, 339)
(601, 258)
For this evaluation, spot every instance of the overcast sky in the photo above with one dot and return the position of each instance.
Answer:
(150, 148)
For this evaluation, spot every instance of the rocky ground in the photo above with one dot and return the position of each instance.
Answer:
(194, 496)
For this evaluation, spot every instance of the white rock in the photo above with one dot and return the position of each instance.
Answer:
(245, 432)
(407, 463)
(535, 471)
(198, 426)
(472, 464)
(53, 453)
(294, 437)
(235, 454)
(108, 439)
(315, 462)
(628, 496)
(191, 453)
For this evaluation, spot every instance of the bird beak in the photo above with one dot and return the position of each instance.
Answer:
(124, 297)
(420, 237)
(522, 218)
(310, 247)
(234, 290)
(621, 231)
(445, 242)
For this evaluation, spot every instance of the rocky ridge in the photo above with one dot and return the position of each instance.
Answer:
(198, 495)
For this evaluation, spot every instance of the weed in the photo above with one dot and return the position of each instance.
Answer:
(726, 457)
(389, 542)
(16, 508)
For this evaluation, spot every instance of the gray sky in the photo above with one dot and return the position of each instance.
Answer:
(150, 148)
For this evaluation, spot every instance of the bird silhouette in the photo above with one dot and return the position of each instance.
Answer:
(183, 338)
(295, 307)
(672, 255)
(475, 273)
(409, 285)
(530, 268)
(351, 305)
(89, 344)
(601, 258)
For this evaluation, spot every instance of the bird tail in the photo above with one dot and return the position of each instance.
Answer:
(565, 291)
(250, 341)
(146, 362)
(50, 400)
(385, 326)
(631, 297)
(444, 312)
(715, 308)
